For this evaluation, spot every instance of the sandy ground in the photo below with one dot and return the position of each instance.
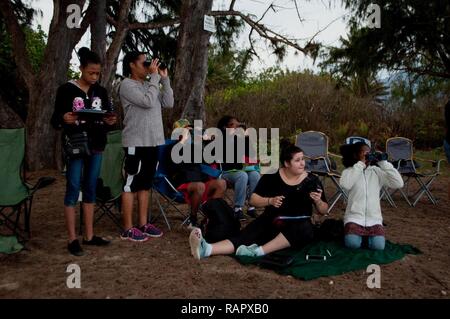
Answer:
(164, 268)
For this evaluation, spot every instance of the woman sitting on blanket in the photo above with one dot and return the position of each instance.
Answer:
(363, 181)
(288, 197)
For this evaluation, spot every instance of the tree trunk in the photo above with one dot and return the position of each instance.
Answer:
(98, 29)
(42, 141)
(9, 118)
(111, 56)
(192, 61)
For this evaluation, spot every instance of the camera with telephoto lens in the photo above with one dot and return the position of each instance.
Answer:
(375, 157)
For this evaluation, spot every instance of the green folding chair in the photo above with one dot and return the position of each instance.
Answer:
(16, 196)
(110, 182)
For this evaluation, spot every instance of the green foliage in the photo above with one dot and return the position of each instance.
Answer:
(36, 43)
(226, 68)
(296, 102)
(414, 36)
(12, 87)
(362, 128)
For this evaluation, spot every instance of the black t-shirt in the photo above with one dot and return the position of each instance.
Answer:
(447, 121)
(95, 128)
(297, 201)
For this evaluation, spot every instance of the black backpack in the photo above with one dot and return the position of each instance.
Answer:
(220, 222)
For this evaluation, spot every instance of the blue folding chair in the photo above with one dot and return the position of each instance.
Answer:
(400, 151)
(163, 186)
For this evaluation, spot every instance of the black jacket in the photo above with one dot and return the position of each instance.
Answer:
(95, 128)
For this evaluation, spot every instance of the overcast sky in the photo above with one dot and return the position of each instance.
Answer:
(316, 15)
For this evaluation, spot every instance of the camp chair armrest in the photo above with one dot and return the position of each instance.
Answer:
(334, 155)
(424, 159)
(316, 158)
(41, 183)
(435, 163)
(170, 184)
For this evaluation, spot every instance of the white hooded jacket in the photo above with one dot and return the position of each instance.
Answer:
(363, 185)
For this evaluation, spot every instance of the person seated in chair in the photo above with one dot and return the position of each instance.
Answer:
(290, 193)
(362, 180)
(234, 172)
(188, 177)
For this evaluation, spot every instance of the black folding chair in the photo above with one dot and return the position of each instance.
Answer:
(400, 151)
(315, 147)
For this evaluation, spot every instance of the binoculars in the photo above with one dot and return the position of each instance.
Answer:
(374, 157)
(162, 65)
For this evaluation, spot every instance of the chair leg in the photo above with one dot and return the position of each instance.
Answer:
(13, 222)
(424, 189)
(107, 208)
(336, 197)
(162, 212)
(385, 193)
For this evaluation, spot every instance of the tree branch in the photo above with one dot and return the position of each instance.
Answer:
(18, 43)
(298, 12)
(252, 48)
(87, 19)
(232, 5)
(153, 25)
(262, 30)
(111, 20)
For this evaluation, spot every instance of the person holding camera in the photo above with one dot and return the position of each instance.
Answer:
(143, 131)
(85, 139)
(288, 197)
(364, 175)
(235, 171)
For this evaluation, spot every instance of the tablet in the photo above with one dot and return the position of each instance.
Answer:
(90, 111)
(90, 114)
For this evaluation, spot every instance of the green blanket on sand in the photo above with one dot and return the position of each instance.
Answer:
(342, 259)
(9, 245)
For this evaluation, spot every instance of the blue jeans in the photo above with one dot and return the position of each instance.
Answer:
(240, 181)
(354, 242)
(84, 171)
